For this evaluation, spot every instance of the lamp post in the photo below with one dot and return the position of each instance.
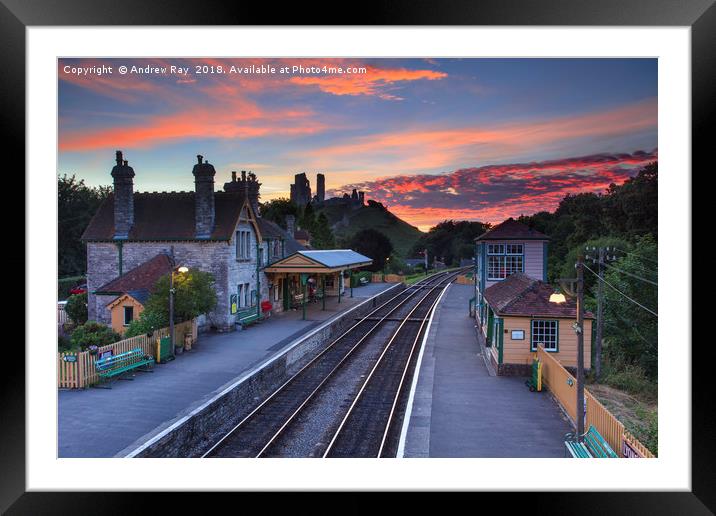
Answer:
(568, 287)
(172, 291)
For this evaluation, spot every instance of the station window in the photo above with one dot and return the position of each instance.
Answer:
(545, 332)
(503, 260)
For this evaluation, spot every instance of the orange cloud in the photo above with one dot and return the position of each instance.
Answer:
(372, 82)
(432, 148)
(238, 121)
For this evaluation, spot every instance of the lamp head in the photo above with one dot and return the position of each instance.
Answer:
(557, 297)
(183, 269)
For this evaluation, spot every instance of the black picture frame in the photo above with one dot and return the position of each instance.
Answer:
(700, 15)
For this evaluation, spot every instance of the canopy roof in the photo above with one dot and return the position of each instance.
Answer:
(320, 261)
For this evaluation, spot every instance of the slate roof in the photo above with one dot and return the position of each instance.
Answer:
(142, 277)
(270, 229)
(512, 230)
(523, 296)
(166, 216)
(336, 257)
(302, 234)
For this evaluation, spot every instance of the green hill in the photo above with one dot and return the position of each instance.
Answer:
(346, 221)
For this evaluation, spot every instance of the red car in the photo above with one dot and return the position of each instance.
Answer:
(79, 289)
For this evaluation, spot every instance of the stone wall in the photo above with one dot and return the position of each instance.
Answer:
(219, 258)
(193, 434)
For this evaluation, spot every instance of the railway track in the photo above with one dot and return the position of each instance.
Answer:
(391, 332)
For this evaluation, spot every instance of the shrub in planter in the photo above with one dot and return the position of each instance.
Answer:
(76, 308)
(63, 344)
(93, 333)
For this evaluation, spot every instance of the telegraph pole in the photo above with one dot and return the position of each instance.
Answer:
(579, 329)
(600, 316)
(600, 260)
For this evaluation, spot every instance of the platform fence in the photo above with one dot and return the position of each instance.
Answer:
(77, 371)
(563, 386)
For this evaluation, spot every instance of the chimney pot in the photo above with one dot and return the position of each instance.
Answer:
(123, 186)
(199, 158)
(233, 176)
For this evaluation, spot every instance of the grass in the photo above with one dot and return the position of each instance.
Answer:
(401, 234)
(633, 399)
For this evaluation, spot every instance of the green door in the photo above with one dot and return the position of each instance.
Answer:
(286, 302)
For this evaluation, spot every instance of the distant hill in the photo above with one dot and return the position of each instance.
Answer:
(345, 221)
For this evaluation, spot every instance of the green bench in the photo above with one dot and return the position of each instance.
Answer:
(593, 446)
(117, 365)
(247, 317)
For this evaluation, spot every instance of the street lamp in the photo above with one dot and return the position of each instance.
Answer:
(181, 270)
(568, 286)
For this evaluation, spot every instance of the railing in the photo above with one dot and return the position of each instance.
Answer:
(76, 370)
(61, 314)
(564, 388)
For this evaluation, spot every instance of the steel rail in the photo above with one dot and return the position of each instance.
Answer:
(399, 391)
(414, 292)
(378, 362)
(330, 374)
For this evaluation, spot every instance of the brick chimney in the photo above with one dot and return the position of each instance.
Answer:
(204, 213)
(122, 174)
(253, 189)
(291, 225)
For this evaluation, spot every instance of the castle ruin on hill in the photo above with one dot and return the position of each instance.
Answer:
(301, 193)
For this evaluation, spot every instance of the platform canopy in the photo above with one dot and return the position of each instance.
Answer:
(320, 261)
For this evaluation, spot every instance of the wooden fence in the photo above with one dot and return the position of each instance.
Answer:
(76, 370)
(564, 387)
(464, 279)
(387, 278)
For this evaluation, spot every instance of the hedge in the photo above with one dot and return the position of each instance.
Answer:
(65, 284)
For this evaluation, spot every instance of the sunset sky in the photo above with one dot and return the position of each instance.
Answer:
(478, 139)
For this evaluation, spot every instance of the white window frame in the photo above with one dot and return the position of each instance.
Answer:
(553, 333)
(503, 254)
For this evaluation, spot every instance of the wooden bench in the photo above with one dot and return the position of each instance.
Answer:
(593, 446)
(117, 365)
(247, 317)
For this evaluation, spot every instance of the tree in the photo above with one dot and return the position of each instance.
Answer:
(630, 331)
(321, 234)
(194, 296)
(76, 205)
(373, 244)
(76, 308)
(277, 209)
(451, 240)
(631, 209)
(93, 333)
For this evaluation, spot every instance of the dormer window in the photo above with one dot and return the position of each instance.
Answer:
(504, 259)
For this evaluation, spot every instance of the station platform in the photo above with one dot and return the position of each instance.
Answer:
(460, 409)
(110, 422)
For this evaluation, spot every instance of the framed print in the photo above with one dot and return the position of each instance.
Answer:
(337, 232)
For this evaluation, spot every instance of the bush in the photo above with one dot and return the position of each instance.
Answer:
(93, 333)
(147, 322)
(63, 344)
(76, 308)
(358, 275)
(65, 284)
(632, 379)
